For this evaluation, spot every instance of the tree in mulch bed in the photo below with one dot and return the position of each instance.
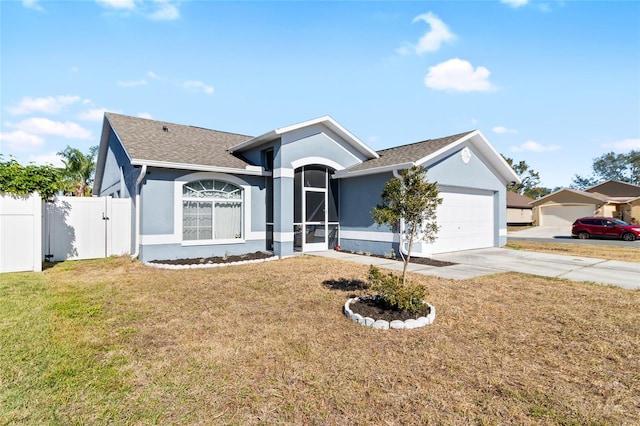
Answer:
(395, 300)
(409, 204)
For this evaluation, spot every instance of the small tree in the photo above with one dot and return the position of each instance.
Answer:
(414, 200)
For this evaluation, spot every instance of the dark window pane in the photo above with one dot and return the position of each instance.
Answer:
(333, 236)
(297, 196)
(269, 245)
(269, 188)
(315, 177)
(297, 237)
(314, 206)
(333, 197)
(314, 234)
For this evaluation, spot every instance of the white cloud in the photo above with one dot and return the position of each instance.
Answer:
(534, 146)
(156, 10)
(431, 41)
(52, 159)
(50, 105)
(153, 75)
(167, 11)
(132, 83)
(145, 115)
(19, 140)
(458, 75)
(197, 85)
(624, 145)
(32, 4)
(515, 3)
(502, 130)
(44, 126)
(94, 114)
(118, 4)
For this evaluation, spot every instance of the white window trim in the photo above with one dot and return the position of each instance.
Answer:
(178, 210)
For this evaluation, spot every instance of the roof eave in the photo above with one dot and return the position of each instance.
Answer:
(248, 170)
(574, 191)
(500, 164)
(107, 128)
(372, 171)
(326, 120)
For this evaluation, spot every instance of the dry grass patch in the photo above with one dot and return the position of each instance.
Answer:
(268, 344)
(627, 254)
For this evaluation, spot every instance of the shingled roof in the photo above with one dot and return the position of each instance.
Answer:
(518, 201)
(147, 141)
(407, 153)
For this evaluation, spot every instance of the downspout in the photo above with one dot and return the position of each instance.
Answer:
(143, 173)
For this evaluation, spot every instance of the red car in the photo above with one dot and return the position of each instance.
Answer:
(604, 227)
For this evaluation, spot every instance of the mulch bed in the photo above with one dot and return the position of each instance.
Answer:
(216, 259)
(377, 309)
(418, 260)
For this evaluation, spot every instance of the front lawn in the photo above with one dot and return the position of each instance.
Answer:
(113, 341)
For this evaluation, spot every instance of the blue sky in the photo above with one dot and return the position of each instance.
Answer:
(554, 83)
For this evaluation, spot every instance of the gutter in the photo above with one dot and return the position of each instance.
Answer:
(141, 176)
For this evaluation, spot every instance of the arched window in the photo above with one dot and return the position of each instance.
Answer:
(211, 210)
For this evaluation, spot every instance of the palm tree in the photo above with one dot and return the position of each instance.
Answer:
(78, 170)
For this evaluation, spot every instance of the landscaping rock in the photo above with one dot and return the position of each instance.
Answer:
(397, 325)
(381, 325)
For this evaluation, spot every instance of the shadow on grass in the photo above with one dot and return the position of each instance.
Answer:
(344, 284)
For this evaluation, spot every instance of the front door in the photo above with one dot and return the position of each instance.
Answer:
(315, 209)
(315, 223)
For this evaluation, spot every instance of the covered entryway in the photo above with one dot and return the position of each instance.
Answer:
(564, 215)
(315, 208)
(466, 221)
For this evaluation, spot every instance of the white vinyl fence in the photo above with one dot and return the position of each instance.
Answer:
(20, 233)
(70, 228)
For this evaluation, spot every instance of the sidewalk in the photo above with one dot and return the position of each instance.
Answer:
(475, 263)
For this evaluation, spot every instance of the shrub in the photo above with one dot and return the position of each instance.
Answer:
(409, 297)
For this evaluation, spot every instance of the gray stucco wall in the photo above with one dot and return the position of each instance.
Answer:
(157, 216)
(358, 196)
(178, 251)
(116, 159)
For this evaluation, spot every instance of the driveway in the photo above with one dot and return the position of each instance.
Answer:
(475, 263)
(586, 269)
(561, 234)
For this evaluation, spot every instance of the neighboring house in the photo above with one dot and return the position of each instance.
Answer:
(608, 199)
(519, 211)
(310, 186)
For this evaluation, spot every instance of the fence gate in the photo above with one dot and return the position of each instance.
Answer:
(86, 228)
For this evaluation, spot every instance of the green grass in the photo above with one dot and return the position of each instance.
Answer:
(53, 347)
(114, 342)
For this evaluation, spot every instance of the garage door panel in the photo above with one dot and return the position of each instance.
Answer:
(466, 222)
(564, 215)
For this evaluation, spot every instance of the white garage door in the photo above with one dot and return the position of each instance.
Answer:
(466, 221)
(564, 215)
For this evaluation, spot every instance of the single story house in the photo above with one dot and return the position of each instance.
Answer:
(519, 211)
(309, 186)
(608, 199)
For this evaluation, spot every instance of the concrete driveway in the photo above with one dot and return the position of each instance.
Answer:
(542, 232)
(475, 263)
(601, 271)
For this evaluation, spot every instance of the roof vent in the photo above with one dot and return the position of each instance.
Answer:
(165, 129)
